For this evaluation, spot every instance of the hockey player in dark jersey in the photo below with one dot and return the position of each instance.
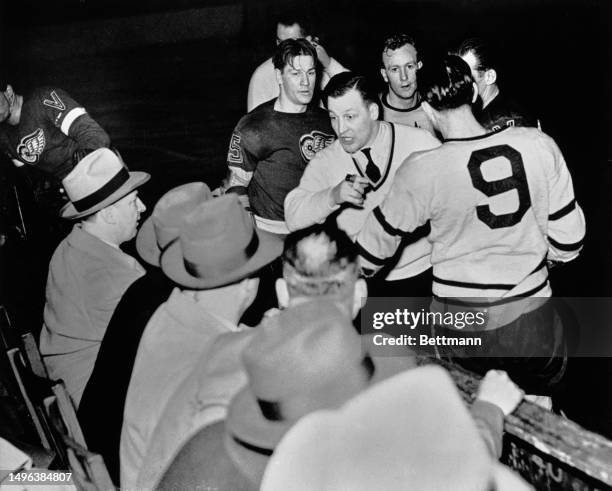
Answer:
(494, 109)
(47, 129)
(271, 146)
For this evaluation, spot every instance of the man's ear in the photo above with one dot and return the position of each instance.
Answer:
(475, 94)
(383, 74)
(108, 214)
(250, 287)
(282, 293)
(419, 65)
(373, 108)
(490, 76)
(360, 295)
(279, 78)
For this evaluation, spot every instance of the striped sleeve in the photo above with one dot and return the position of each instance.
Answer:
(395, 221)
(72, 119)
(566, 224)
(85, 130)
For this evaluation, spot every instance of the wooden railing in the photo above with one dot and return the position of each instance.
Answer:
(548, 450)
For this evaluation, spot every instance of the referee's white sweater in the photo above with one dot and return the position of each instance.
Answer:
(309, 202)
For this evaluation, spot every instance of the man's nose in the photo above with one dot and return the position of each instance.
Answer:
(304, 80)
(141, 207)
(341, 126)
(403, 74)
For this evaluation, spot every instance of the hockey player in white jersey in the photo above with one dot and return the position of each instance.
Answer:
(501, 206)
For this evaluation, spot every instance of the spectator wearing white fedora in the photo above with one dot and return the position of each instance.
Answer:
(214, 259)
(410, 432)
(318, 262)
(88, 272)
(308, 357)
(118, 350)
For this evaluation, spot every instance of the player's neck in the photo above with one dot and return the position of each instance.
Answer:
(460, 123)
(283, 105)
(491, 92)
(15, 116)
(394, 101)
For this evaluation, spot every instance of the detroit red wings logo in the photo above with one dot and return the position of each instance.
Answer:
(31, 146)
(314, 142)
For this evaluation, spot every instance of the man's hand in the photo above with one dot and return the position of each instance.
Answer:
(497, 388)
(322, 55)
(349, 192)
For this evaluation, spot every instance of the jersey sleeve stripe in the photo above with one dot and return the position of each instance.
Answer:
(70, 117)
(563, 211)
(539, 266)
(566, 247)
(237, 190)
(387, 227)
(408, 237)
(535, 290)
(377, 261)
(239, 177)
(482, 286)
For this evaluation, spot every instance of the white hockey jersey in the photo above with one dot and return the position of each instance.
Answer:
(499, 205)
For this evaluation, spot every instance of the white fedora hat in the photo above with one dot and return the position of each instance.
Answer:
(306, 358)
(97, 181)
(163, 226)
(218, 245)
(409, 432)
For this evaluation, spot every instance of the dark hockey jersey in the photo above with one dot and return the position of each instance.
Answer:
(51, 128)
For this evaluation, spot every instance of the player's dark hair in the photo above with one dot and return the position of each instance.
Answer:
(288, 17)
(446, 84)
(483, 51)
(341, 83)
(287, 50)
(320, 260)
(396, 41)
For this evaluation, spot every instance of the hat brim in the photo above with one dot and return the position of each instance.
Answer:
(146, 243)
(245, 421)
(135, 180)
(172, 263)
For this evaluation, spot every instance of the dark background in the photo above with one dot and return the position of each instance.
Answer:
(168, 81)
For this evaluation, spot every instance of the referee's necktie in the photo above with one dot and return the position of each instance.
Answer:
(371, 170)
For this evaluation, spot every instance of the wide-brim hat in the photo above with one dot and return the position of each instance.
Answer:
(307, 358)
(412, 431)
(218, 244)
(97, 181)
(163, 225)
